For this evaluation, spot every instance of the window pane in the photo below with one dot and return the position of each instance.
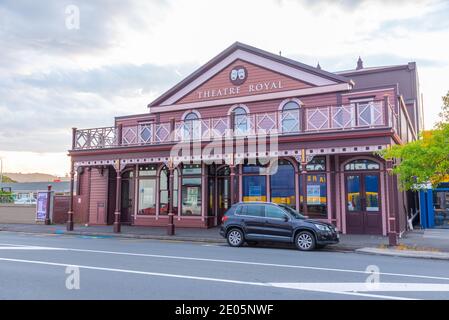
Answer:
(254, 188)
(353, 188)
(362, 164)
(317, 164)
(163, 202)
(441, 203)
(191, 200)
(273, 212)
(147, 170)
(147, 196)
(255, 210)
(191, 169)
(283, 184)
(317, 195)
(372, 193)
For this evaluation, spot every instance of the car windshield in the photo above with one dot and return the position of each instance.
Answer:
(292, 211)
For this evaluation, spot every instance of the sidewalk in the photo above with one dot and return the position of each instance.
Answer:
(428, 241)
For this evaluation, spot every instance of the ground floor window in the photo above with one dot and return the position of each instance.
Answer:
(147, 197)
(316, 189)
(191, 196)
(441, 204)
(254, 188)
(282, 184)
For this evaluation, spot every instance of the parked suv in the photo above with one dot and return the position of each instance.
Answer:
(265, 221)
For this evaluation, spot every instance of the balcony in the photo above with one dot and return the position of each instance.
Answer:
(307, 120)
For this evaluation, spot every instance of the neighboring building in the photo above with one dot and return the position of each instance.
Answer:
(22, 190)
(434, 206)
(323, 129)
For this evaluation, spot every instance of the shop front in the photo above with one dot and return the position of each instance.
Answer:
(434, 207)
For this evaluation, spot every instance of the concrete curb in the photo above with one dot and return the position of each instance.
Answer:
(121, 235)
(405, 253)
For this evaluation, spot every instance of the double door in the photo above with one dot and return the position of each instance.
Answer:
(363, 208)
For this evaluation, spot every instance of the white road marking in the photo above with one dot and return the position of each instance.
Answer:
(245, 263)
(28, 248)
(366, 286)
(169, 275)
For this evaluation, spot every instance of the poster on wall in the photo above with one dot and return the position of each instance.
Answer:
(313, 194)
(192, 195)
(41, 206)
(255, 191)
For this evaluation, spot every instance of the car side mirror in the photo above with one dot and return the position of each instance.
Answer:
(286, 218)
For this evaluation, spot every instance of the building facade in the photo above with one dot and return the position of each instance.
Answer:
(253, 126)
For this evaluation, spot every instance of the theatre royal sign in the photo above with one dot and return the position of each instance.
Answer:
(237, 77)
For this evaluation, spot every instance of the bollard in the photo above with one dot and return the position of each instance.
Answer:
(47, 211)
(171, 225)
(392, 239)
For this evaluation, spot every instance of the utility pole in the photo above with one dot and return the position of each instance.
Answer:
(1, 173)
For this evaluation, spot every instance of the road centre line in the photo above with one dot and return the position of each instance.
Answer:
(169, 275)
(244, 263)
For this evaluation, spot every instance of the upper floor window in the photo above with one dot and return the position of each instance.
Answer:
(240, 120)
(192, 126)
(290, 117)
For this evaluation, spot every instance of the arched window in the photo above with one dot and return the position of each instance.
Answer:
(240, 120)
(290, 117)
(191, 126)
(282, 183)
(362, 164)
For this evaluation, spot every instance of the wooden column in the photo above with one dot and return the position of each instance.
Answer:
(232, 183)
(119, 134)
(118, 198)
(170, 225)
(72, 184)
(304, 181)
(392, 232)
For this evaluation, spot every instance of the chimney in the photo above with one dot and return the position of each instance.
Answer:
(359, 64)
(318, 66)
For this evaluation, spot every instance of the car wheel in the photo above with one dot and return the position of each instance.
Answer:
(305, 241)
(235, 238)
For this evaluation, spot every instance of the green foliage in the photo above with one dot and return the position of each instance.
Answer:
(427, 159)
(422, 161)
(8, 180)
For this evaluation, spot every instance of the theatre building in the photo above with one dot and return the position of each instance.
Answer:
(250, 125)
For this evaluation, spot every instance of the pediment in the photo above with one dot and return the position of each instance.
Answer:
(246, 71)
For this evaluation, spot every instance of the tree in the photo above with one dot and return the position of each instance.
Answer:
(425, 160)
(8, 180)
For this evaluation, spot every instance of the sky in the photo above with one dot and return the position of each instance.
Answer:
(59, 72)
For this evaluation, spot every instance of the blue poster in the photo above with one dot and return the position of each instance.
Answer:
(255, 191)
(41, 206)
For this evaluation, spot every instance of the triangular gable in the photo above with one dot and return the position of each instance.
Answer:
(265, 73)
(256, 79)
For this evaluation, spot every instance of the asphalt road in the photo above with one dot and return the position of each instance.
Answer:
(76, 267)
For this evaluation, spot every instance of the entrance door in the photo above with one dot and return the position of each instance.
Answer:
(127, 201)
(363, 213)
(223, 197)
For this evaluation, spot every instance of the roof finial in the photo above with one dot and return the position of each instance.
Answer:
(280, 52)
(318, 66)
(359, 64)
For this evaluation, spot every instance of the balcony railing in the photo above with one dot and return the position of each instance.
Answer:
(347, 117)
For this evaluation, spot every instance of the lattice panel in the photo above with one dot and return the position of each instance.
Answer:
(317, 118)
